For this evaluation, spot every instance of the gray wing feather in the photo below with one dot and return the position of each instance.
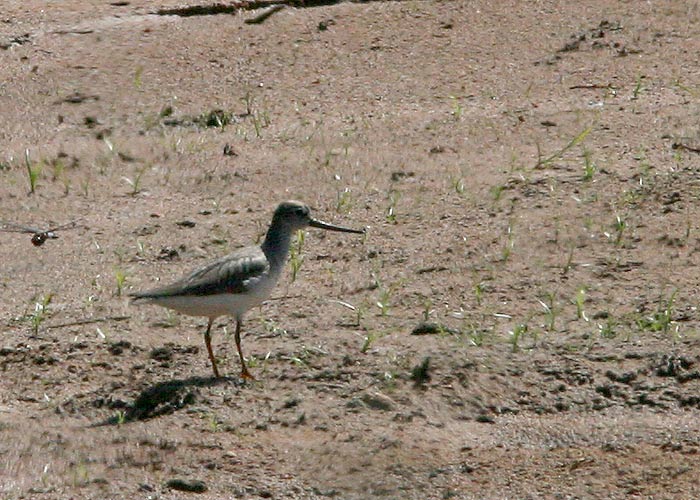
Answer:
(230, 274)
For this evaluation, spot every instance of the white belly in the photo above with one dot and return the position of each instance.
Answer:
(224, 304)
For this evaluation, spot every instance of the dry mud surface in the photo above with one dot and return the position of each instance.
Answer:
(520, 321)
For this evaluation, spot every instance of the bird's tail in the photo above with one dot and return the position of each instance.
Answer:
(140, 297)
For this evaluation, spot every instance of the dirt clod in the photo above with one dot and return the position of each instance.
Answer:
(189, 485)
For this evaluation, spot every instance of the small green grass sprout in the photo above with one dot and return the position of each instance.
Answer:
(41, 308)
(120, 279)
(33, 171)
(544, 162)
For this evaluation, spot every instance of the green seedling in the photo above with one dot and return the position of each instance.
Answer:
(272, 328)
(135, 181)
(497, 192)
(384, 299)
(59, 172)
(678, 158)
(557, 229)
(479, 292)
(620, 225)
(367, 344)
(121, 417)
(393, 198)
(517, 334)
(33, 171)
(360, 314)
(569, 261)
(261, 120)
(171, 319)
(589, 166)
(638, 88)
(509, 244)
(105, 160)
(248, 99)
(476, 336)
(644, 168)
(389, 379)
(40, 311)
(457, 184)
(121, 254)
(694, 92)
(299, 362)
(85, 187)
(427, 308)
(57, 169)
(343, 202)
(327, 157)
(138, 74)
(551, 310)
(81, 475)
(660, 320)
(140, 248)
(120, 278)
(544, 162)
(262, 363)
(457, 109)
(608, 329)
(213, 423)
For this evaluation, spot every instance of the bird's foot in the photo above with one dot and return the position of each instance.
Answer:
(245, 375)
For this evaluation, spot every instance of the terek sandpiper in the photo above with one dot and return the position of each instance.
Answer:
(239, 281)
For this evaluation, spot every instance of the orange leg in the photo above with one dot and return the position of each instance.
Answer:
(207, 341)
(244, 369)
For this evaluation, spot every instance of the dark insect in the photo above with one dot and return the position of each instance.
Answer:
(39, 236)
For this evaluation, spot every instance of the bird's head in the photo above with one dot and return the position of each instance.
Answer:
(296, 215)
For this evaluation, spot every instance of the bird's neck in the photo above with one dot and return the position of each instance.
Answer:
(276, 246)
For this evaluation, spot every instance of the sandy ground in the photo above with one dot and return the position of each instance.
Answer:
(519, 322)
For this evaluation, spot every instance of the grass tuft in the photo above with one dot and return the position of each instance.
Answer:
(120, 279)
(33, 171)
(40, 311)
(546, 161)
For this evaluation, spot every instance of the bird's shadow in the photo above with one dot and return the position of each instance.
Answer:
(166, 397)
